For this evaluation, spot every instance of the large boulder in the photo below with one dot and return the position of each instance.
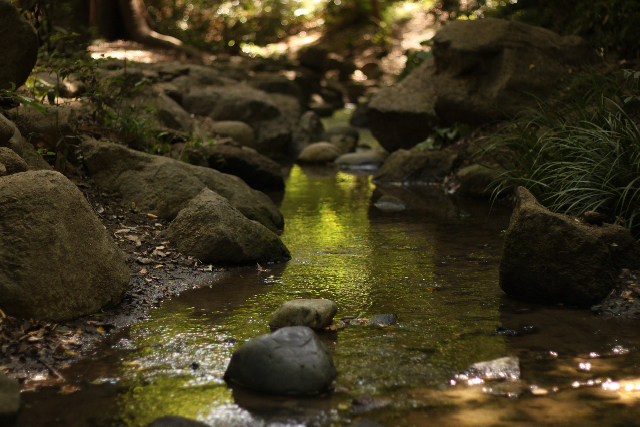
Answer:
(57, 261)
(213, 231)
(9, 398)
(18, 46)
(257, 170)
(480, 71)
(556, 258)
(240, 132)
(290, 360)
(412, 166)
(272, 116)
(164, 186)
(475, 181)
(313, 313)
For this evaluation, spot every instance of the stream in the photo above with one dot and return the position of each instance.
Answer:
(435, 266)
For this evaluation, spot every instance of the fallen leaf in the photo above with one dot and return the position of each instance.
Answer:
(159, 266)
(68, 389)
(132, 237)
(157, 224)
(122, 230)
(71, 352)
(100, 330)
(152, 216)
(143, 271)
(159, 248)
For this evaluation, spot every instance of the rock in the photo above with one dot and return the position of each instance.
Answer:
(388, 203)
(475, 181)
(43, 216)
(383, 320)
(164, 186)
(359, 116)
(3, 170)
(9, 397)
(315, 58)
(213, 231)
(308, 130)
(28, 152)
(345, 137)
(7, 129)
(291, 360)
(271, 116)
(481, 69)
(411, 166)
(18, 46)
(12, 162)
(239, 131)
(314, 313)
(45, 128)
(320, 152)
(175, 421)
(555, 258)
(362, 159)
(257, 170)
(503, 368)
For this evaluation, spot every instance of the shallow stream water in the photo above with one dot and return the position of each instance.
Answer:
(435, 266)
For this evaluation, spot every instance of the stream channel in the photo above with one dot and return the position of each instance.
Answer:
(435, 266)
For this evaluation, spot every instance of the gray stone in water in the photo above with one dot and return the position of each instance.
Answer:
(314, 313)
(361, 159)
(383, 320)
(388, 203)
(320, 152)
(175, 421)
(416, 166)
(9, 397)
(507, 368)
(291, 360)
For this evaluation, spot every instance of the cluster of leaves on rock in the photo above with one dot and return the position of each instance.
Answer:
(583, 156)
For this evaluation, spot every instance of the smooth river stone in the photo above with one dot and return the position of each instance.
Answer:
(314, 313)
(291, 360)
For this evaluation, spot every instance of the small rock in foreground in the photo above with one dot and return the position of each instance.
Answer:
(314, 313)
(503, 368)
(291, 360)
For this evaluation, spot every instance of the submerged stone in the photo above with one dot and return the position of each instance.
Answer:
(314, 313)
(503, 368)
(383, 320)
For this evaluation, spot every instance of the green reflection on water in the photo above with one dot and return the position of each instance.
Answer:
(367, 265)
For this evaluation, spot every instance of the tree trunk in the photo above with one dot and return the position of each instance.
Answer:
(128, 19)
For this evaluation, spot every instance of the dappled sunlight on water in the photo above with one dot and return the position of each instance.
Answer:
(435, 267)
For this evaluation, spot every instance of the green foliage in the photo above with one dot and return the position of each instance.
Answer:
(10, 94)
(443, 136)
(583, 157)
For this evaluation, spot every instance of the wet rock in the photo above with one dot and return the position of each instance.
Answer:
(7, 129)
(411, 166)
(367, 403)
(475, 181)
(9, 397)
(175, 421)
(480, 70)
(383, 320)
(164, 186)
(503, 368)
(362, 159)
(18, 46)
(388, 203)
(238, 131)
(556, 258)
(257, 170)
(291, 360)
(12, 162)
(43, 216)
(315, 313)
(320, 152)
(213, 231)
